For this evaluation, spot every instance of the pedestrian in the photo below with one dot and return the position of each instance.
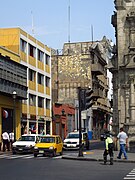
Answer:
(123, 141)
(11, 137)
(108, 148)
(6, 140)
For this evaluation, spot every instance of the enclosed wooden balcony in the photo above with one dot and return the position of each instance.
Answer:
(98, 69)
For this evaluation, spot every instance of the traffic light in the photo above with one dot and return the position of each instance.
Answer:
(88, 98)
(82, 99)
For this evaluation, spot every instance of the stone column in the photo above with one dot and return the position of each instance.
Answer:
(132, 99)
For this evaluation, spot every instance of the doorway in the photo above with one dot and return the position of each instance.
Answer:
(7, 120)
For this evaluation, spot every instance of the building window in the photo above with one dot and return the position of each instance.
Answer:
(47, 59)
(32, 75)
(41, 102)
(47, 81)
(23, 45)
(47, 103)
(32, 51)
(40, 79)
(32, 100)
(40, 55)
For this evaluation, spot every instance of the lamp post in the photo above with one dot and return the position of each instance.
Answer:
(14, 113)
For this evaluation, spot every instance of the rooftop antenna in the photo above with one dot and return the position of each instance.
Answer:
(69, 22)
(92, 33)
(69, 26)
(33, 32)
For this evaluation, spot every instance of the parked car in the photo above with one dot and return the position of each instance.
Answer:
(72, 140)
(48, 145)
(25, 144)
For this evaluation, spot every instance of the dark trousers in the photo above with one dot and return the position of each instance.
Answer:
(5, 144)
(11, 142)
(110, 152)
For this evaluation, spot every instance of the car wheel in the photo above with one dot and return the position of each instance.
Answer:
(87, 146)
(13, 152)
(54, 153)
(61, 153)
(35, 155)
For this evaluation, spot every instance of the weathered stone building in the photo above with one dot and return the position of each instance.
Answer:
(123, 68)
(83, 64)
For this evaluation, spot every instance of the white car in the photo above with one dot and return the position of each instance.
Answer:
(72, 140)
(25, 144)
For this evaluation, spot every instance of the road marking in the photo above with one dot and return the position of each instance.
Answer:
(130, 175)
(88, 152)
(25, 156)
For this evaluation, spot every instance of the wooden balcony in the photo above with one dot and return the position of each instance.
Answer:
(98, 93)
(98, 69)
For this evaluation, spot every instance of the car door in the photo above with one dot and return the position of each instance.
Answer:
(59, 144)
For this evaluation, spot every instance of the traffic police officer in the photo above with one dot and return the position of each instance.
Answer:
(108, 149)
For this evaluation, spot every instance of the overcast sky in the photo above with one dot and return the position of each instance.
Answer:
(51, 21)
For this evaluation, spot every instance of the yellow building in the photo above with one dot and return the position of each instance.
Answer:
(35, 116)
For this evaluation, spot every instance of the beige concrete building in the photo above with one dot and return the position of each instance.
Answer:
(83, 64)
(123, 68)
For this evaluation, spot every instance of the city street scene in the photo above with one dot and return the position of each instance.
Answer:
(67, 90)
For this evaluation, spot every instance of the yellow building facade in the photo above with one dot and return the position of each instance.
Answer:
(35, 113)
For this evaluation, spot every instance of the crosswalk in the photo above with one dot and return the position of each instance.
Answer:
(130, 175)
(25, 156)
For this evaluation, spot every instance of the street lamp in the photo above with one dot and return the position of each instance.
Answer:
(14, 119)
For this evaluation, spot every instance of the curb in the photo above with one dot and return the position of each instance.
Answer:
(94, 159)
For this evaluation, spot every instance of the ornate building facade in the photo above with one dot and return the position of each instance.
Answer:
(83, 64)
(123, 68)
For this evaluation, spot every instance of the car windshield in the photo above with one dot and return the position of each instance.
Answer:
(70, 135)
(27, 138)
(47, 139)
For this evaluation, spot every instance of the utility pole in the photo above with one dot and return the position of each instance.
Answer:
(80, 124)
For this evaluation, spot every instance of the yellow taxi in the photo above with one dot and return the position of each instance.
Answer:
(48, 145)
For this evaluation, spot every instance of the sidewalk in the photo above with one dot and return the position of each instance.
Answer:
(97, 155)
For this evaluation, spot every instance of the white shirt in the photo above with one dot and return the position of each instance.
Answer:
(11, 136)
(5, 136)
(122, 136)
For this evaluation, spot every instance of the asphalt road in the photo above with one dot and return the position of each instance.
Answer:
(60, 169)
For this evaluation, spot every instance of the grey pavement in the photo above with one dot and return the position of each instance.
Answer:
(97, 155)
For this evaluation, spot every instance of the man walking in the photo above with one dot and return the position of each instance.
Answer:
(123, 141)
(5, 138)
(11, 137)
